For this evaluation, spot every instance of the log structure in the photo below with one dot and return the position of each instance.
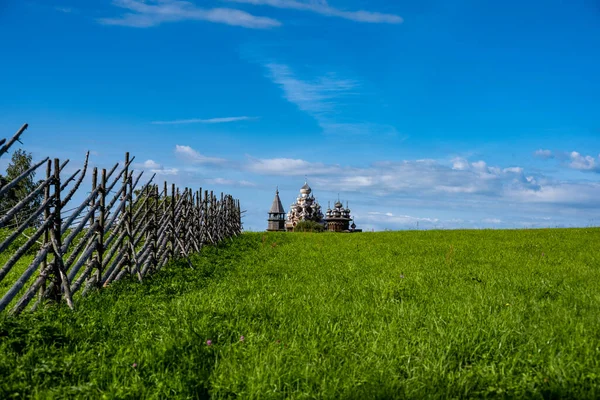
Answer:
(305, 208)
(276, 214)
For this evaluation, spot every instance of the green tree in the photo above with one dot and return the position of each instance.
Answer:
(20, 162)
(309, 226)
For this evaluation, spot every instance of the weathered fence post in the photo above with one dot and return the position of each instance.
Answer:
(155, 230)
(93, 200)
(198, 218)
(137, 235)
(100, 231)
(124, 197)
(60, 278)
(44, 267)
(172, 231)
(205, 232)
(131, 254)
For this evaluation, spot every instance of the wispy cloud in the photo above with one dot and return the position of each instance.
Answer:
(457, 192)
(316, 97)
(491, 221)
(360, 128)
(573, 160)
(204, 121)
(191, 155)
(458, 181)
(144, 14)
(398, 219)
(156, 168)
(323, 8)
(322, 98)
(545, 154)
(230, 182)
(431, 180)
(288, 167)
(569, 194)
(66, 10)
(388, 220)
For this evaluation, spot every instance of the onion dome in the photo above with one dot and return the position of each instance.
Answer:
(338, 204)
(305, 189)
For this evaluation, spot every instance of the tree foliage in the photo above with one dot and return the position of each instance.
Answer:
(308, 226)
(20, 162)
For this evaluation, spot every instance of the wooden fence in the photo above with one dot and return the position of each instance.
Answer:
(116, 231)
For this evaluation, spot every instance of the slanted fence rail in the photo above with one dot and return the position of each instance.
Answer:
(121, 228)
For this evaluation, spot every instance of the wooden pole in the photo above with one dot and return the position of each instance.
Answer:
(100, 233)
(172, 231)
(61, 280)
(155, 230)
(44, 270)
(93, 201)
(125, 214)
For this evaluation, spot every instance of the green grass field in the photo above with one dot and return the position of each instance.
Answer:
(431, 314)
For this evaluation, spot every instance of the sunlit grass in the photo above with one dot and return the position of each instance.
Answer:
(385, 315)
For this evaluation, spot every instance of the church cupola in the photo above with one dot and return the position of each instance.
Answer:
(306, 208)
(338, 219)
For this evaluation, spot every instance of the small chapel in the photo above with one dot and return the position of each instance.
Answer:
(307, 208)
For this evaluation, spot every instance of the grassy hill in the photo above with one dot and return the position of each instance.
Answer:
(373, 315)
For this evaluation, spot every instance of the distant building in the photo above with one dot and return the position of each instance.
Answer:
(307, 208)
(338, 219)
(276, 215)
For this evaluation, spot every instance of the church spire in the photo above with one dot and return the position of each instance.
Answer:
(276, 214)
(277, 207)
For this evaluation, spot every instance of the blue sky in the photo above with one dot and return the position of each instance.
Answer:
(452, 114)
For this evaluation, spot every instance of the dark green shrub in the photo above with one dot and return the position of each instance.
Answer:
(308, 226)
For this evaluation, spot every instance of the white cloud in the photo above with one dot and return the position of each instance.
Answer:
(167, 171)
(573, 160)
(316, 97)
(323, 8)
(479, 166)
(151, 164)
(573, 194)
(156, 168)
(230, 182)
(376, 216)
(322, 98)
(545, 154)
(460, 164)
(492, 221)
(433, 181)
(514, 170)
(438, 194)
(144, 14)
(66, 10)
(288, 167)
(358, 128)
(204, 121)
(191, 155)
(583, 163)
